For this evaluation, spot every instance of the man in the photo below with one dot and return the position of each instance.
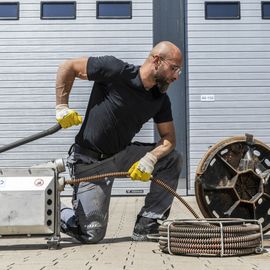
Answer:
(123, 98)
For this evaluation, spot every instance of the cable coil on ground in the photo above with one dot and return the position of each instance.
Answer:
(211, 237)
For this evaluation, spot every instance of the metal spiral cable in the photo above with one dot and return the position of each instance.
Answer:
(126, 174)
(207, 237)
(211, 237)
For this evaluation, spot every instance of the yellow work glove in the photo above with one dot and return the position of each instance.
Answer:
(142, 169)
(67, 117)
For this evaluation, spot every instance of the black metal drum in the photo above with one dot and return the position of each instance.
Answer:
(232, 180)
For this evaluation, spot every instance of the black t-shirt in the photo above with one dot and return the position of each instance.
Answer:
(118, 106)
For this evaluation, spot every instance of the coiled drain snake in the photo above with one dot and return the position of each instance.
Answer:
(211, 237)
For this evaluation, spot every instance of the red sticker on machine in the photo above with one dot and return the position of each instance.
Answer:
(39, 182)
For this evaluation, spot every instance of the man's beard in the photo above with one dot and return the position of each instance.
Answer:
(162, 84)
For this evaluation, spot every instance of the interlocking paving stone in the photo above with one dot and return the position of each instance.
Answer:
(117, 251)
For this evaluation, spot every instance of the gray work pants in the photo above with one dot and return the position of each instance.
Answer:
(91, 200)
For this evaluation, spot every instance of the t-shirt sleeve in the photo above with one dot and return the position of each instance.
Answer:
(103, 68)
(165, 112)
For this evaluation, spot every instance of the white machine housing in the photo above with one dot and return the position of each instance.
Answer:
(30, 201)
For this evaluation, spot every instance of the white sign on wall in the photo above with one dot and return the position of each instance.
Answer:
(207, 98)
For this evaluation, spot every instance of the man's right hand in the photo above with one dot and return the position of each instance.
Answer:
(67, 117)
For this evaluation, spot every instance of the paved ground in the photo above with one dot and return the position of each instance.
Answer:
(117, 251)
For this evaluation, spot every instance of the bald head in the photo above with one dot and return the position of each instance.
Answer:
(167, 49)
(162, 66)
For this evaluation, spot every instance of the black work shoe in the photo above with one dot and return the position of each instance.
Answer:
(143, 227)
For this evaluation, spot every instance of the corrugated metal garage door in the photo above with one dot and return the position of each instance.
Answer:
(31, 50)
(228, 61)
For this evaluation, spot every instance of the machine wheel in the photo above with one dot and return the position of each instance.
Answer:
(232, 180)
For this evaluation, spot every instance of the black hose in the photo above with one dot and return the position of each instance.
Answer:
(31, 138)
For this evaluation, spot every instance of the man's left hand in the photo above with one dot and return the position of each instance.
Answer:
(142, 169)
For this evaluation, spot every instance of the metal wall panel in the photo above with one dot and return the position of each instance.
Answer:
(31, 50)
(229, 60)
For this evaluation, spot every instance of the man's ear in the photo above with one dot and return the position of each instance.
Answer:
(156, 61)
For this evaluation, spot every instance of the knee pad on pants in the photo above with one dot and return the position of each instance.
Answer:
(94, 228)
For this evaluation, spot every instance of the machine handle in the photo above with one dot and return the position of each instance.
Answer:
(31, 138)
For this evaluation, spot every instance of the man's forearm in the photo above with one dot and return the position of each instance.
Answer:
(64, 81)
(163, 148)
